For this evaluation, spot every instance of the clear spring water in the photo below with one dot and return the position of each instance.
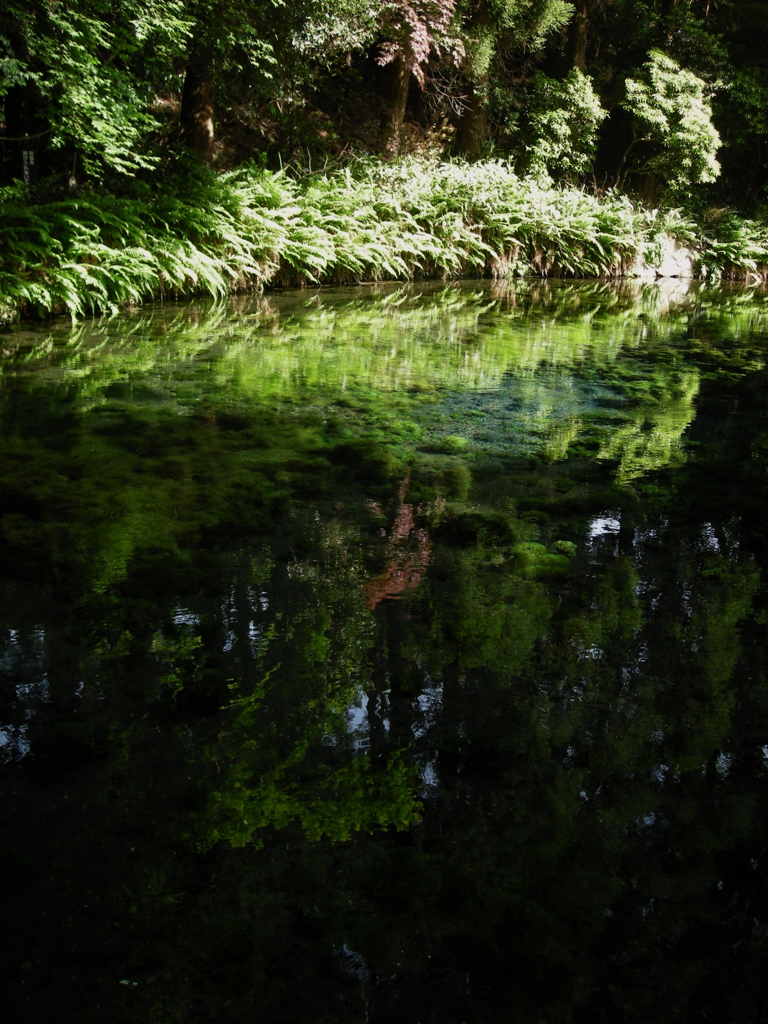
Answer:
(388, 655)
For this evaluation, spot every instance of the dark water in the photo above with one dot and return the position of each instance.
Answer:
(388, 656)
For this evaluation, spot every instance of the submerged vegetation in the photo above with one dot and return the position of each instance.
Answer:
(387, 638)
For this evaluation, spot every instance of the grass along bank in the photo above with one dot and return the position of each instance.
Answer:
(248, 228)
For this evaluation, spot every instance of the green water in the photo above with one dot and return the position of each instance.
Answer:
(388, 655)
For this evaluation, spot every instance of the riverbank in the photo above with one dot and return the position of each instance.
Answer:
(252, 228)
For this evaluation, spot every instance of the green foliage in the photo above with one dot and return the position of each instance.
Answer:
(748, 95)
(334, 27)
(212, 233)
(732, 246)
(78, 61)
(99, 85)
(510, 24)
(673, 113)
(530, 21)
(563, 121)
(480, 49)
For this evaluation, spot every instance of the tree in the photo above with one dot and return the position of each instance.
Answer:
(563, 122)
(672, 126)
(491, 26)
(415, 30)
(225, 38)
(76, 77)
(250, 50)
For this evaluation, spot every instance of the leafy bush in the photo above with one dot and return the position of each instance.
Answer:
(673, 114)
(563, 123)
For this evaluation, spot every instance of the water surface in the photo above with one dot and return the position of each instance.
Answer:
(388, 655)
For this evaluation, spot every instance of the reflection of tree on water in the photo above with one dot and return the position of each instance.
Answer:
(653, 436)
(407, 553)
(578, 677)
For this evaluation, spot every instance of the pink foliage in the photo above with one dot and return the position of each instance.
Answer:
(417, 29)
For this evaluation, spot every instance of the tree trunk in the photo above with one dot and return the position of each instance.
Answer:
(197, 132)
(474, 121)
(577, 36)
(22, 139)
(395, 113)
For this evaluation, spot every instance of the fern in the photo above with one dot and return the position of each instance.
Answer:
(217, 233)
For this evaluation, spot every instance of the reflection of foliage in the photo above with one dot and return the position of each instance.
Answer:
(653, 436)
(174, 656)
(403, 338)
(313, 656)
(408, 551)
(227, 444)
(487, 613)
(560, 436)
(333, 802)
(570, 699)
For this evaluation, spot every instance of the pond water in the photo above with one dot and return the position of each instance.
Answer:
(388, 655)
